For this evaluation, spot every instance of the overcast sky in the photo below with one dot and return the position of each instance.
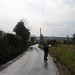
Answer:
(54, 17)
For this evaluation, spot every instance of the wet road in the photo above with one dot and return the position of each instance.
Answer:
(30, 63)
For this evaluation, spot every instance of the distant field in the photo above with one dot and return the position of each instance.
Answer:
(65, 54)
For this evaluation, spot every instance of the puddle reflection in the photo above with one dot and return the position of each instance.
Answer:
(45, 64)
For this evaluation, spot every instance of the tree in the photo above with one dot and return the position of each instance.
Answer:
(67, 39)
(32, 39)
(73, 38)
(2, 34)
(52, 42)
(22, 31)
(42, 39)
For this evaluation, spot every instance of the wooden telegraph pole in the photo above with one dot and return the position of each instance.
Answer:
(67, 39)
(40, 35)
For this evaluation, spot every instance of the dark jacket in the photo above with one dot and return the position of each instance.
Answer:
(46, 47)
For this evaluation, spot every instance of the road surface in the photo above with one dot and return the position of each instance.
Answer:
(30, 63)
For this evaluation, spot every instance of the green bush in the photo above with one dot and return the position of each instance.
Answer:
(10, 46)
(53, 42)
(41, 46)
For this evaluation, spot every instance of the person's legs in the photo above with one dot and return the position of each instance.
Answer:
(45, 55)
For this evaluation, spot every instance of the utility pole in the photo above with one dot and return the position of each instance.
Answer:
(40, 35)
(67, 39)
(40, 31)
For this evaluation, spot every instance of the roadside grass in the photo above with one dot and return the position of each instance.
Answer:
(41, 46)
(65, 54)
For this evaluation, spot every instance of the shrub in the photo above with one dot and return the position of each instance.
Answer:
(10, 46)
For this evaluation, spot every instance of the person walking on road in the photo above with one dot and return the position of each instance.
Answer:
(46, 50)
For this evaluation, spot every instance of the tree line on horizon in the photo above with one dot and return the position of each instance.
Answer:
(55, 42)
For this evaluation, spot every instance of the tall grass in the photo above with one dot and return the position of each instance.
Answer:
(65, 54)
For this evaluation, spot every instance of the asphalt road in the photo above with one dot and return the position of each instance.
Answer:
(30, 63)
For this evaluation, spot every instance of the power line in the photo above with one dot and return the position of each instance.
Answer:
(43, 8)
